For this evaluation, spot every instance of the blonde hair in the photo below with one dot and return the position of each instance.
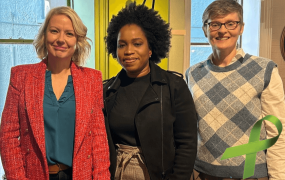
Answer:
(83, 47)
(222, 8)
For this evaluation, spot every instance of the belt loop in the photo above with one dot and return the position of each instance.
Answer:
(59, 168)
(54, 169)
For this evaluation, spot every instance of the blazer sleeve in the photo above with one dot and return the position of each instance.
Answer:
(100, 148)
(185, 132)
(10, 150)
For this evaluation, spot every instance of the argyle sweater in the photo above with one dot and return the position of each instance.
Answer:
(228, 104)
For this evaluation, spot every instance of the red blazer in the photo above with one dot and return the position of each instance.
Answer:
(22, 136)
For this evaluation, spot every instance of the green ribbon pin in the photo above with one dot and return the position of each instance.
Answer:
(253, 146)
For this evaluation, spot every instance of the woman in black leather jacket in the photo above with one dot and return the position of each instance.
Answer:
(150, 115)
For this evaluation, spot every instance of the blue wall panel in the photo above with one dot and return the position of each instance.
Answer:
(86, 12)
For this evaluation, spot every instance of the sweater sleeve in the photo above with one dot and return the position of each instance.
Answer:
(272, 103)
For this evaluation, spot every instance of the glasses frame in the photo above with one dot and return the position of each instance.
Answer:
(222, 24)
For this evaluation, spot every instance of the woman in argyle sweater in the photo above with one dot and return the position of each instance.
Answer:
(232, 90)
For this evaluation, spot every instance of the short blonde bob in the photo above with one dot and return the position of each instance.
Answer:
(83, 47)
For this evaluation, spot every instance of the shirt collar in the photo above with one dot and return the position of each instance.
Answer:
(240, 53)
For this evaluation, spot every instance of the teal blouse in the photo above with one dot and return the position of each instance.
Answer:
(59, 122)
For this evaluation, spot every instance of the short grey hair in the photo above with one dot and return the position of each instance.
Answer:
(222, 8)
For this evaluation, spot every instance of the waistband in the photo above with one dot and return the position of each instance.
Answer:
(130, 152)
(54, 169)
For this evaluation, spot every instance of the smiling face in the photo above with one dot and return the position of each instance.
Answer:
(224, 39)
(60, 37)
(132, 51)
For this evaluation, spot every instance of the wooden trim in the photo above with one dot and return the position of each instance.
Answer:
(200, 44)
(282, 44)
(16, 41)
(72, 4)
(97, 36)
(101, 24)
(68, 3)
(265, 44)
(187, 38)
(178, 32)
(103, 35)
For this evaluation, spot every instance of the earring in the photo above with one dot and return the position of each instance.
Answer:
(149, 56)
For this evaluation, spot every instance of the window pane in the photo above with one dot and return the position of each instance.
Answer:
(20, 19)
(197, 9)
(251, 34)
(12, 55)
(199, 53)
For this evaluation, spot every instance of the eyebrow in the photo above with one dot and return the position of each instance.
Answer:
(121, 40)
(70, 31)
(225, 22)
(65, 30)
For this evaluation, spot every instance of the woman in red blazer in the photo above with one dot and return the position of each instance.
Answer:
(52, 124)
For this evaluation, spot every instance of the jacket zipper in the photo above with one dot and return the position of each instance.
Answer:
(163, 173)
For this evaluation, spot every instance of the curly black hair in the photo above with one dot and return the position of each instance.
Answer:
(156, 30)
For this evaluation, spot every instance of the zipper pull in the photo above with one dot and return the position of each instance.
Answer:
(163, 175)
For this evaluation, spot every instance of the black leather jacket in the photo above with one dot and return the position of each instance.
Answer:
(166, 123)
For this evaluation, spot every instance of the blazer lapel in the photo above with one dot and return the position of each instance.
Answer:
(81, 103)
(34, 93)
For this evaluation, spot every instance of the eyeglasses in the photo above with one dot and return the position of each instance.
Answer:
(231, 25)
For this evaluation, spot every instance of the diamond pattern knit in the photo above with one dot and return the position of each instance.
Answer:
(227, 101)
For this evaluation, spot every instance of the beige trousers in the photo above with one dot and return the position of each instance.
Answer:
(130, 164)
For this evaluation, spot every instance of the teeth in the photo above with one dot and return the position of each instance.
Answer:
(222, 38)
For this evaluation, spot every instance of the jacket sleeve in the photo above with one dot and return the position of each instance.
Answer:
(272, 103)
(185, 132)
(100, 149)
(10, 150)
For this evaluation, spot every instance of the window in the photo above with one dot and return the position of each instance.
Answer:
(250, 39)
(19, 21)
(200, 48)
